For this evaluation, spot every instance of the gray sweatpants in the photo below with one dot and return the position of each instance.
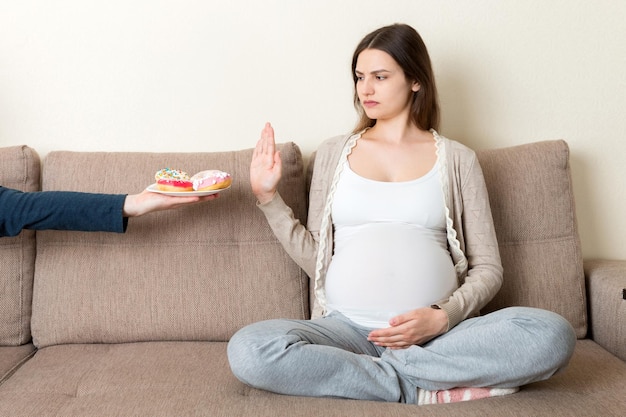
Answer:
(331, 356)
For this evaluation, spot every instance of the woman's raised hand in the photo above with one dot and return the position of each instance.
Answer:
(266, 166)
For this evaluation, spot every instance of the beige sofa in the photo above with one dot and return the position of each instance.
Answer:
(136, 324)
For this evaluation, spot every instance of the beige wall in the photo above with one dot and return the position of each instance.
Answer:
(189, 75)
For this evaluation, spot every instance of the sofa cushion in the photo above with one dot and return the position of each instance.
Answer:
(19, 169)
(606, 289)
(196, 273)
(12, 357)
(194, 379)
(532, 201)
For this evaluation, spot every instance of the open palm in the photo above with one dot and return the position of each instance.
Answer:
(266, 166)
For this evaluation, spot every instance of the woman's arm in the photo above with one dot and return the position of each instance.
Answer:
(295, 238)
(476, 230)
(265, 174)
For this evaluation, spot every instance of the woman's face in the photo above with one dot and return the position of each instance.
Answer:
(382, 88)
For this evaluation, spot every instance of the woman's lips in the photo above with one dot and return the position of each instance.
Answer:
(369, 103)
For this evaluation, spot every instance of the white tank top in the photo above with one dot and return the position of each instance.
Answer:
(390, 249)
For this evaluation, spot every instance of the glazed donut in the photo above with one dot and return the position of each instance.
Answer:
(168, 179)
(211, 179)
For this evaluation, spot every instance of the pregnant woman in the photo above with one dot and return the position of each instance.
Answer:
(401, 246)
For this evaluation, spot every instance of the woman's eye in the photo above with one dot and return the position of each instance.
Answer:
(380, 77)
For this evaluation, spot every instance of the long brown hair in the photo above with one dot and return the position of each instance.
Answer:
(407, 48)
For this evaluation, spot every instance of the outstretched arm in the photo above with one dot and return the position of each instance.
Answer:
(70, 210)
(147, 202)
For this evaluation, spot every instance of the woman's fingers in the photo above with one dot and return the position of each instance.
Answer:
(269, 138)
(266, 145)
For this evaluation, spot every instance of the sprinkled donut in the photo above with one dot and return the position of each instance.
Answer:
(168, 179)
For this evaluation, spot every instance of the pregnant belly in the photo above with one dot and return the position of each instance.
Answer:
(389, 269)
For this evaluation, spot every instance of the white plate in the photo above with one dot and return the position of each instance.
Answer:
(154, 189)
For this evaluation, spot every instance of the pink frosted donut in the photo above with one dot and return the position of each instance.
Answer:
(211, 179)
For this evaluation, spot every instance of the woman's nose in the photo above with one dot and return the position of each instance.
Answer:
(367, 86)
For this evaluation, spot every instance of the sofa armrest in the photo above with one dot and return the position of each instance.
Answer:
(606, 288)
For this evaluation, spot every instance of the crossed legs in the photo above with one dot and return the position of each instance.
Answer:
(331, 356)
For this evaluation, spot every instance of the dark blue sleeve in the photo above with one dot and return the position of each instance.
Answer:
(60, 210)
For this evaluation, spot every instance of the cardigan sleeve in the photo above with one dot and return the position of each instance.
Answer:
(60, 210)
(482, 274)
(295, 238)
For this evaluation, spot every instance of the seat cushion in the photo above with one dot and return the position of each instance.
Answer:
(196, 273)
(12, 357)
(19, 169)
(532, 201)
(194, 379)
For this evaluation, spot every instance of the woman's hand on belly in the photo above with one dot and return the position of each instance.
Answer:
(413, 328)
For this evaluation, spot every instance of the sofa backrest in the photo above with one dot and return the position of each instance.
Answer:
(147, 283)
(196, 273)
(532, 201)
(19, 169)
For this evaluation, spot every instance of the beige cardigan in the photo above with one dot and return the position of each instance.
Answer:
(471, 234)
